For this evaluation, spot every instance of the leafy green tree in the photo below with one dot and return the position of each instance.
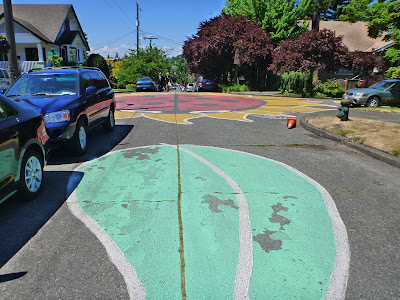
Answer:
(98, 61)
(179, 69)
(278, 18)
(383, 17)
(151, 61)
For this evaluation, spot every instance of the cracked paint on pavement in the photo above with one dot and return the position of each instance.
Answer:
(132, 194)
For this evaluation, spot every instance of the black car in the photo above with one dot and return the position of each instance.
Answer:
(71, 99)
(23, 140)
(146, 84)
(205, 84)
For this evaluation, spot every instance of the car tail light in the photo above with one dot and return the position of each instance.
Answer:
(200, 82)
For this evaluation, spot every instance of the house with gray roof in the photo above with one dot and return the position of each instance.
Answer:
(40, 27)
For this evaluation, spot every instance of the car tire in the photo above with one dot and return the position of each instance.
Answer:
(78, 144)
(373, 102)
(31, 175)
(109, 123)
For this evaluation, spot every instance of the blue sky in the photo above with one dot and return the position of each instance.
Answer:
(111, 24)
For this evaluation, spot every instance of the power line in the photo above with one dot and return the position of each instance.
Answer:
(107, 43)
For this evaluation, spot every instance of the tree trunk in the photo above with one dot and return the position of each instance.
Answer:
(316, 18)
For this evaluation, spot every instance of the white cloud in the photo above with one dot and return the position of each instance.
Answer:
(105, 51)
(171, 52)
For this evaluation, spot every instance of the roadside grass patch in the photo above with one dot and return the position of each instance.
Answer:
(380, 135)
(380, 109)
(359, 139)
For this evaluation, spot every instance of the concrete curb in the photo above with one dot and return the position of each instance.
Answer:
(387, 158)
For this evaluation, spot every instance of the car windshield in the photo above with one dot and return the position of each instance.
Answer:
(383, 85)
(144, 79)
(32, 84)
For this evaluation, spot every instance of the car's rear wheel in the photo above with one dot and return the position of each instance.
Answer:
(109, 124)
(31, 174)
(78, 143)
(373, 102)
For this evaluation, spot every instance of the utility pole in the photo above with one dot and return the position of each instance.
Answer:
(150, 38)
(12, 55)
(137, 29)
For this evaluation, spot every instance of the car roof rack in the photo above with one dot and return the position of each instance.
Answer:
(66, 68)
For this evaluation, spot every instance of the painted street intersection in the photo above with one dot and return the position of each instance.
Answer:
(201, 222)
(182, 108)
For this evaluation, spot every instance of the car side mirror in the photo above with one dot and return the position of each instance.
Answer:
(91, 90)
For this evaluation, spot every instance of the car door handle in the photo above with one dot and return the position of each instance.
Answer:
(14, 134)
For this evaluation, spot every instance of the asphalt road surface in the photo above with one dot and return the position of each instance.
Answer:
(206, 196)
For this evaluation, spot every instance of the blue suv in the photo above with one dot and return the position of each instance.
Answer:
(72, 100)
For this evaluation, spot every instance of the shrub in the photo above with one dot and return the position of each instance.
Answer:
(131, 87)
(235, 88)
(295, 82)
(98, 61)
(393, 72)
(330, 88)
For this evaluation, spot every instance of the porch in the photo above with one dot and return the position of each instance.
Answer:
(25, 66)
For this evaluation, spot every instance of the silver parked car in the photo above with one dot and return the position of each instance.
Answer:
(189, 87)
(4, 79)
(386, 92)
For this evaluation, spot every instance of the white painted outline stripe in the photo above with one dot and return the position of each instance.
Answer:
(134, 286)
(339, 277)
(340, 274)
(245, 264)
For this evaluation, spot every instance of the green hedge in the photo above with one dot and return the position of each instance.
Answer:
(295, 83)
(330, 88)
(235, 88)
(131, 87)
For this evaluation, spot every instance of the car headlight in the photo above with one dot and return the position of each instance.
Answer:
(358, 94)
(58, 116)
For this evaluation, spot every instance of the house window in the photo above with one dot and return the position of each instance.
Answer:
(79, 54)
(63, 53)
(31, 54)
(3, 57)
(67, 28)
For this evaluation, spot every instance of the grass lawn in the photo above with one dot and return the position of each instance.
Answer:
(380, 135)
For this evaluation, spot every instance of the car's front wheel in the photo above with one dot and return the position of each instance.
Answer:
(373, 102)
(109, 124)
(31, 175)
(78, 143)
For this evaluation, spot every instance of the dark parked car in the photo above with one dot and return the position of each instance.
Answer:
(23, 140)
(146, 84)
(205, 84)
(72, 101)
(386, 92)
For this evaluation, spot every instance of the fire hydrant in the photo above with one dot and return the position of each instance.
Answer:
(343, 114)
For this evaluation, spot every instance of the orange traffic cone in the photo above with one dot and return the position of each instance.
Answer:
(291, 123)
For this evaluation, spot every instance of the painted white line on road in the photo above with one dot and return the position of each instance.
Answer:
(245, 264)
(134, 285)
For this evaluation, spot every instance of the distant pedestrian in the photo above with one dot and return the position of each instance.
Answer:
(167, 81)
(160, 82)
